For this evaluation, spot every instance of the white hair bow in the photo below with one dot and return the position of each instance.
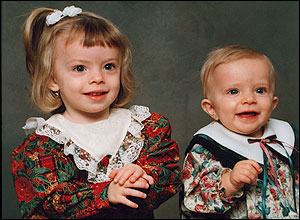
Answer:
(57, 15)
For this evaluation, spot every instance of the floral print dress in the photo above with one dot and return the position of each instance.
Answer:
(55, 178)
(202, 197)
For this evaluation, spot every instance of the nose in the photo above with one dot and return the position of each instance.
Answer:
(248, 98)
(97, 77)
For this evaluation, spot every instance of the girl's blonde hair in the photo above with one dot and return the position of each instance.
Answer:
(228, 54)
(39, 40)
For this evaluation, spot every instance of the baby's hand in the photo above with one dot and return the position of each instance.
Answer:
(245, 171)
(131, 172)
(117, 194)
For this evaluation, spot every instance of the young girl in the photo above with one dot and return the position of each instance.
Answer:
(244, 164)
(91, 158)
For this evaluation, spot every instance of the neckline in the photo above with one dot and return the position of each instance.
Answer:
(239, 143)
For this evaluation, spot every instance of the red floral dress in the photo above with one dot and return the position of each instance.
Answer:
(49, 183)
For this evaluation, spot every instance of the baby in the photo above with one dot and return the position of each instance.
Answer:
(244, 164)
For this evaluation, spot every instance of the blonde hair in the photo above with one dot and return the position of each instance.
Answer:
(39, 40)
(228, 54)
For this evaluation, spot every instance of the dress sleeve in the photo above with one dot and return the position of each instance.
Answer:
(49, 185)
(159, 158)
(201, 183)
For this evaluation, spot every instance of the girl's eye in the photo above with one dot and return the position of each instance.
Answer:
(260, 90)
(233, 91)
(109, 66)
(79, 68)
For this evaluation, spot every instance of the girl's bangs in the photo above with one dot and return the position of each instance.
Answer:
(95, 34)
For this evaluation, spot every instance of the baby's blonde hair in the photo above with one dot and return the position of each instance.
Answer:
(39, 40)
(229, 54)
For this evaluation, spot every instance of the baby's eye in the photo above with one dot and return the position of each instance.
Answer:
(109, 66)
(79, 68)
(260, 90)
(233, 91)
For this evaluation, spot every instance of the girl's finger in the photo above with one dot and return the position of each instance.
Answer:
(125, 175)
(148, 178)
(140, 183)
(134, 193)
(113, 174)
(125, 201)
(119, 175)
(137, 174)
(133, 178)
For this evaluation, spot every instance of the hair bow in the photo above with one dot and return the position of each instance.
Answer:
(57, 15)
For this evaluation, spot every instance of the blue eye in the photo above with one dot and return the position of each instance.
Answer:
(109, 66)
(79, 68)
(260, 90)
(233, 91)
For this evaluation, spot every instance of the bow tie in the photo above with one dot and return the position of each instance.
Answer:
(263, 143)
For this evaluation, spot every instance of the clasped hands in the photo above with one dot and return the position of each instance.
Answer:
(125, 182)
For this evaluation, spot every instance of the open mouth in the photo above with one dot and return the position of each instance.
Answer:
(95, 93)
(247, 114)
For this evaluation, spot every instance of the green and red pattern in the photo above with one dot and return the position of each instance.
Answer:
(49, 185)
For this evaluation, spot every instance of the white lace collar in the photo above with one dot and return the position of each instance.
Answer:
(239, 143)
(99, 138)
(98, 168)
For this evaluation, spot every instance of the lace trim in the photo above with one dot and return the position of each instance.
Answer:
(98, 170)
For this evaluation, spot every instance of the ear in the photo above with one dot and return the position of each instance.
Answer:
(275, 102)
(208, 107)
(52, 85)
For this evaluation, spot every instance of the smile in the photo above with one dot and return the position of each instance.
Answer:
(247, 114)
(96, 93)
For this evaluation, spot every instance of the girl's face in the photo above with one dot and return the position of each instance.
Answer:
(88, 79)
(240, 96)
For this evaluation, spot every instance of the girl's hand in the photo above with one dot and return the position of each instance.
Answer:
(117, 194)
(245, 171)
(131, 172)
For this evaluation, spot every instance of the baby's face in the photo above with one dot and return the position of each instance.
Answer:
(241, 96)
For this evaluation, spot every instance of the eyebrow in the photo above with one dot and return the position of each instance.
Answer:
(87, 61)
(77, 60)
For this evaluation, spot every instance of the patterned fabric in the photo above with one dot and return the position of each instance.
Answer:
(98, 168)
(49, 185)
(202, 196)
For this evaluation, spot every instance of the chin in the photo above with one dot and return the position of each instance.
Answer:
(251, 133)
(256, 134)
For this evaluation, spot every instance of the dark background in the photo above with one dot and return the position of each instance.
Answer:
(170, 41)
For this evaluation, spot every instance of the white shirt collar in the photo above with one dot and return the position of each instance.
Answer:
(239, 143)
(98, 138)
